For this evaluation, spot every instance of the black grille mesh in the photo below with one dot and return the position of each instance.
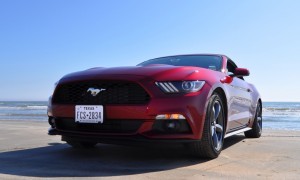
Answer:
(115, 93)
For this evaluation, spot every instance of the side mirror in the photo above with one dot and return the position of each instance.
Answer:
(240, 72)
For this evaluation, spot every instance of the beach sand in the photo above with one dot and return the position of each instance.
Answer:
(27, 152)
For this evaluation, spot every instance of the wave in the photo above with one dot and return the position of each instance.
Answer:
(282, 119)
(281, 116)
(28, 115)
(37, 107)
(26, 119)
(24, 107)
(281, 109)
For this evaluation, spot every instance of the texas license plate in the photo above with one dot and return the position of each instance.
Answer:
(88, 114)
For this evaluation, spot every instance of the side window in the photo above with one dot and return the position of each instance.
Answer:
(230, 68)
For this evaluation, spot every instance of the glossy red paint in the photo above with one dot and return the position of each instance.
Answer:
(240, 99)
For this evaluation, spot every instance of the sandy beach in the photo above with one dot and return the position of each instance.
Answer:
(27, 152)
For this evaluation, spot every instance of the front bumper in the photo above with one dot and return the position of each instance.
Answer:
(189, 106)
(111, 139)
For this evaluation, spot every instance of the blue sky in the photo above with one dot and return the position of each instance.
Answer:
(40, 41)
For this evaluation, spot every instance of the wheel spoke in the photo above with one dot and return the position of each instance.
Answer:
(259, 119)
(219, 128)
(213, 115)
(215, 140)
(259, 122)
(219, 144)
(258, 111)
(216, 110)
(213, 130)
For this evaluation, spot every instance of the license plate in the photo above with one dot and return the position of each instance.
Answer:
(88, 114)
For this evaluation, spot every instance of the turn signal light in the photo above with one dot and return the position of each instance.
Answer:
(170, 116)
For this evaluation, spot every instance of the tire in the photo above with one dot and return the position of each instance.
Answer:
(256, 130)
(211, 144)
(81, 145)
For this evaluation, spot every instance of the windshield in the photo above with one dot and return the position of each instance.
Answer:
(212, 62)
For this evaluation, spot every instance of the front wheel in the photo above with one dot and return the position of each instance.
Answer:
(210, 146)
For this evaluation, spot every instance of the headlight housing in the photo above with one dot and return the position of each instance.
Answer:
(180, 86)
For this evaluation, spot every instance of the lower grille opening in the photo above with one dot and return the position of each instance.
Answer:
(171, 127)
(108, 126)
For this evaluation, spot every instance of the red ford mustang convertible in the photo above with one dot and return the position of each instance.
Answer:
(196, 99)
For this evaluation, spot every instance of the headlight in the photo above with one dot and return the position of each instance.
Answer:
(180, 86)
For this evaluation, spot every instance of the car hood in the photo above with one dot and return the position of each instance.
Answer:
(155, 72)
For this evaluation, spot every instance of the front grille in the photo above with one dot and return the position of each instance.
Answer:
(108, 126)
(114, 93)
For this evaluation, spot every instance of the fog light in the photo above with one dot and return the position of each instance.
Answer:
(171, 125)
(170, 116)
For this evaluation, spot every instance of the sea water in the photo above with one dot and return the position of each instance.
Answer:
(276, 115)
(281, 115)
(23, 110)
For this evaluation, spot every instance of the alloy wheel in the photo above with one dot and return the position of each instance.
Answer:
(217, 124)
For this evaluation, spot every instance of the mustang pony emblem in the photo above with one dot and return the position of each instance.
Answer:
(94, 91)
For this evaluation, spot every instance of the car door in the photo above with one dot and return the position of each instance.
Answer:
(239, 102)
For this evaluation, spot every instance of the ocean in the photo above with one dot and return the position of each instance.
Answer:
(276, 115)
(281, 115)
(23, 110)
